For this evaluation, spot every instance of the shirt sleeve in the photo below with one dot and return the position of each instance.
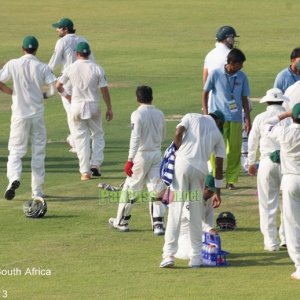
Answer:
(135, 138)
(246, 88)
(253, 141)
(57, 55)
(64, 78)
(5, 73)
(49, 76)
(219, 148)
(103, 80)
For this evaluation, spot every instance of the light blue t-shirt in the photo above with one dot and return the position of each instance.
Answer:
(285, 78)
(227, 92)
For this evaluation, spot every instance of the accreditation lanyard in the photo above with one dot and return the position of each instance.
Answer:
(231, 88)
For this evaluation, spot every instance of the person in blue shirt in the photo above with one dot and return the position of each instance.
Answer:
(289, 75)
(230, 90)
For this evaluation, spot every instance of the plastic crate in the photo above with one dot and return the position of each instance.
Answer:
(212, 254)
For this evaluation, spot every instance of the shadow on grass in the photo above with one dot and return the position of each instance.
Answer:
(257, 259)
(59, 217)
(56, 198)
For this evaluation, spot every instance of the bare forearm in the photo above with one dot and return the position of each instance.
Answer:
(5, 89)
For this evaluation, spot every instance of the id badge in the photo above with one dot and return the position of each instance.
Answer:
(232, 106)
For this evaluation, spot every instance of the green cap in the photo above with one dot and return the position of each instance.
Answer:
(296, 112)
(210, 183)
(219, 116)
(30, 42)
(64, 22)
(83, 47)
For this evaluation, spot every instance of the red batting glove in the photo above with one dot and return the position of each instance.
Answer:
(128, 168)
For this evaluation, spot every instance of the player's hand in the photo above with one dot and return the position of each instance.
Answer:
(216, 200)
(252, 170)
(109, 115)
(128, 168)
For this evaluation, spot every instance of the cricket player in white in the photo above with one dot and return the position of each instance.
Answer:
(269, 172)
(196, 137)
(289, 139)
(64, 55)
(27, 122)
(143, 165)
(86, 79)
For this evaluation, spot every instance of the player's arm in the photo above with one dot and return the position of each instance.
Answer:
(245, 104)
(106, 98)
(5, 89)
(178, 136)
(205, 102)
(204, 75)
(61, 90)
(57, 55)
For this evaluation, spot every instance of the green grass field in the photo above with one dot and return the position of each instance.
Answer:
(162, 44)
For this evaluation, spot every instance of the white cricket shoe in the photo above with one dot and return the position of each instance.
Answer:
(272, 248)
(295, 275)
(159, 229)
(168, 262)
(122, 228)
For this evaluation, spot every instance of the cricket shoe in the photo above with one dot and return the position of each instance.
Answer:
(10, 191)
(296, 275)
(271, 248)
(95, 171)
(168, 262)
(122, 228)
(194, 265)
(158, 230)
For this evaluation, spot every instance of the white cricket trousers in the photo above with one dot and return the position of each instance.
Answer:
(145, 172)
(87, 125)
(291, 216)
(187, 188)
(268, 187)
(21, 130)
(67, 107)
(184, 243)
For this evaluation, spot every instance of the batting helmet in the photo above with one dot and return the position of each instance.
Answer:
(225, 32)
(35, 208)
(226, 221)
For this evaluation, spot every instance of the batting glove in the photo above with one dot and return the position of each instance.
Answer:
(128, 168)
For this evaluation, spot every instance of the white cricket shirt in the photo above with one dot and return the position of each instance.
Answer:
(258, 136)
(64, 52)
(148, 129)
(201, 138)
(28, 75)
(86, 78)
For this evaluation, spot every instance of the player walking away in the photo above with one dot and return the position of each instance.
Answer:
(196, 137)
(27, 122)
(217, 57)
(184, 243)
(289, 139)
(269, 172)
(289, 75)
(86, 78)
(143, 165)
(65, 55)
(229, 89)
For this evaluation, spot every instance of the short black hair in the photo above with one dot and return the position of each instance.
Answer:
(29, 51)
(144, 94)
(235, 56)
(295, 53)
